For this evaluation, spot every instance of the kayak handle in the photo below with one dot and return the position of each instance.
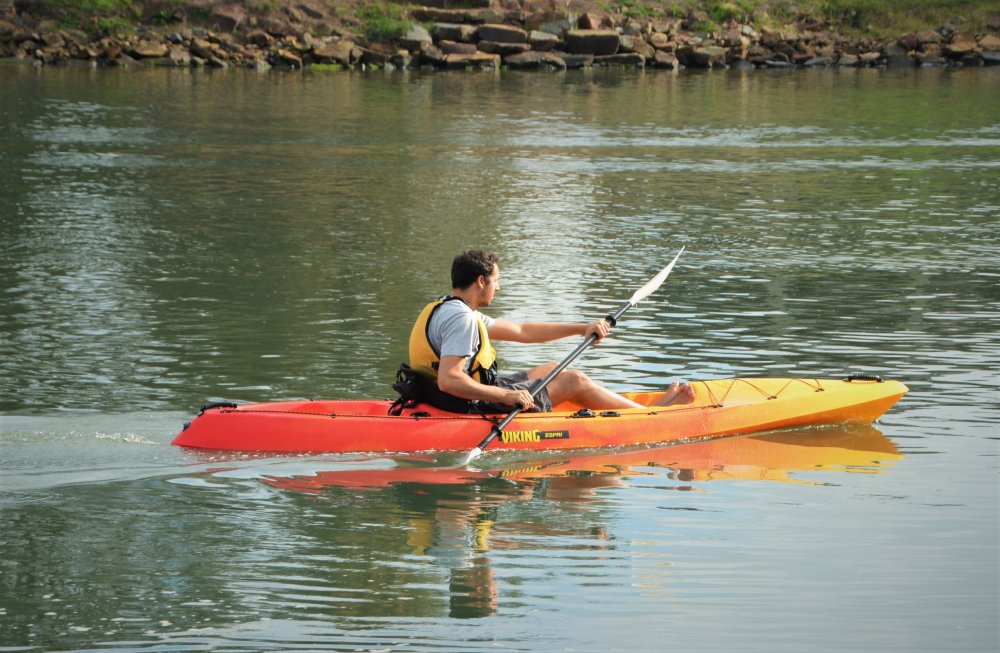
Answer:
(863, 377)
(217, 404)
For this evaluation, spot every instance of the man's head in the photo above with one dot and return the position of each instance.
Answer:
(470, 265)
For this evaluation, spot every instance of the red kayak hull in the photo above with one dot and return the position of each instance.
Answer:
(721, 407)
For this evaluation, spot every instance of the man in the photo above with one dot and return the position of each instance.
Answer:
(451, 348)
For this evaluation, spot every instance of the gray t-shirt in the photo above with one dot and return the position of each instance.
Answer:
(453, 330)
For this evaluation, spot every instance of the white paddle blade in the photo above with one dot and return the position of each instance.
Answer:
(654, 283)
(475, 453)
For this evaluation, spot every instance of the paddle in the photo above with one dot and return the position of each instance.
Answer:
(612, 319)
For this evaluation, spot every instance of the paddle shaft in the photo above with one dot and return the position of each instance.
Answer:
(612, 319)
(589, 340)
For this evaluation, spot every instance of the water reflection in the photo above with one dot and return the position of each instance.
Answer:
(461, 520)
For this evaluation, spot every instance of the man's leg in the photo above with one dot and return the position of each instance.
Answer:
(575, 386)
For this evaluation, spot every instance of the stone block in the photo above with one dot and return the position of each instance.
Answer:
(595, 42)
(533, 59)
(494, 47)
(501, 34)
(459, 33)
(543, 41)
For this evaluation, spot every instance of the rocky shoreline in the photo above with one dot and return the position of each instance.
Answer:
(514, 35)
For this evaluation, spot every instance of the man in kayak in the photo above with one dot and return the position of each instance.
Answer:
(451, 350)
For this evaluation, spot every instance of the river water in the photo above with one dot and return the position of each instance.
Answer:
(174, 237)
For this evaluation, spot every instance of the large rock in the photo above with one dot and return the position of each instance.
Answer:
(702, 57)
(534, 59)
(415, 37)
(576, 61)
(733, 38)
(344, 52)
(374, 57)
(638, 46)
(848, 59)
(961, 45)
(599, 42)
(818, 62)
(773, 39)
(283, 57)
(928, 36)
(621, 59)
(989, 43)
(149, 50)
(497, 47)
(260, 38)
(454, 47)
(896, 56)
(501, 34)
(179, 56)
(543, 41)
(928, 59)
(431, 54)
(665, 60)
(478, 60)
(909, 41)
(459, 33)
(204, 50)
(661, 41)
(593, 20)
(668, 26)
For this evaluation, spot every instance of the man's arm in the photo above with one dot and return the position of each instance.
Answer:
(546, 331)
(453, 380)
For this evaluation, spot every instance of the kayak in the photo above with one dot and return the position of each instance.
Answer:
(721, 407)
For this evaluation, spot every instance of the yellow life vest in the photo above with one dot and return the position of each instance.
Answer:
(425, 359)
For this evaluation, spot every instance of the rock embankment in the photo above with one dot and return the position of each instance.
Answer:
(490, 37)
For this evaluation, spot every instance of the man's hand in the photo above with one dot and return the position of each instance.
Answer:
(600, 328)
(520, 398)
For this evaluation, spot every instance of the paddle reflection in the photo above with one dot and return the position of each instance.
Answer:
(452, 516)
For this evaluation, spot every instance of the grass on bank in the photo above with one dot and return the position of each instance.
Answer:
(384, 21)
(862, 17)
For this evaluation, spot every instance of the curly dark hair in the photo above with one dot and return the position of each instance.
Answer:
(469, 265)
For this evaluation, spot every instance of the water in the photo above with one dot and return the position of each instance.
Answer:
(173, 237)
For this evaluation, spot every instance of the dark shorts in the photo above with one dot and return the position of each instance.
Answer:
(520, 381)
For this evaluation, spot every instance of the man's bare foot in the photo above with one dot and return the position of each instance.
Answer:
(677, 393)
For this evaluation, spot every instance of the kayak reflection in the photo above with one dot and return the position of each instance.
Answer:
(772, 457)
(459, 519)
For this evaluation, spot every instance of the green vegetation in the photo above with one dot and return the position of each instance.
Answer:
(384, 21)
(900, 16)
(636, 9)
(106, 16)
(871, 17)
(738, 10)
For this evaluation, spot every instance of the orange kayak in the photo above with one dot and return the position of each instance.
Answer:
(721, 407)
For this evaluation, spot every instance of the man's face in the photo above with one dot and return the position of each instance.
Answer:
(492, 285)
